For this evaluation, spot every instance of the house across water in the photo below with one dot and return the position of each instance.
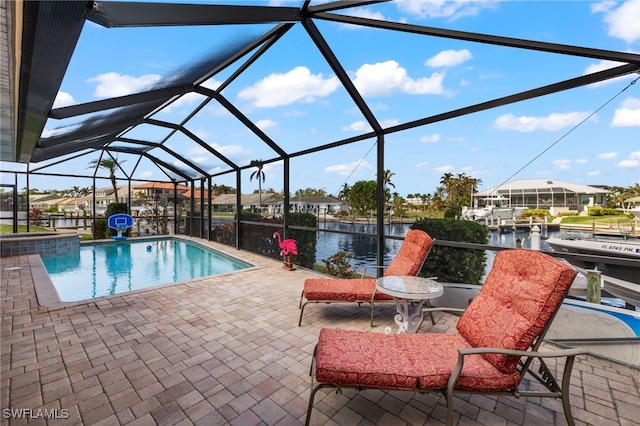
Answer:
(549, 194)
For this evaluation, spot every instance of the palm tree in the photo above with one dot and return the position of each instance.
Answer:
(386, 178)
(258, 174)
(111, 165)
(344, 194)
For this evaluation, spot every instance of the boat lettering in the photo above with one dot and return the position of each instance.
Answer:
(618, 248)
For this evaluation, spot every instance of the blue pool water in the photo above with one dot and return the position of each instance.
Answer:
(631, 318)
(107, 268)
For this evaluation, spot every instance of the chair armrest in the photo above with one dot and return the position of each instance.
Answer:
(546, 354)
(570, 354)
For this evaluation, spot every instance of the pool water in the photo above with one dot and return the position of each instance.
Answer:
(107, 268)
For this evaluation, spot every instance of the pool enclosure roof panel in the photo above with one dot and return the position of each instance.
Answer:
(41, 37)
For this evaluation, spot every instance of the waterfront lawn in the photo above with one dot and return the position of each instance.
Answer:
(599, 220)
(8, 229)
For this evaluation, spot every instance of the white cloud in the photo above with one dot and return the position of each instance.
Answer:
(594, 173)
(444, 169)
(622, 21)
(582, 161)
(628, 164)
(386, 78)
(200, 160)
(422, 164)
(229, 150)
(63, 99)
(265, 124)
(187, 99)
(346, 169)
(552, 122)
(212, 84)
(562, 164)
(430, 138)
(363, 13)
(297, 85)
(605, 65)
(360, 126)
(389, 122)
(628, 115)
(112, 84)
(607, 155)
(633, 161)
(357, 126)
(449, 58)
(442, 8)
(145, 175)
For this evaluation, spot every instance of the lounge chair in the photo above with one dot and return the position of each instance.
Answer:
(408, 261)
(497, 340)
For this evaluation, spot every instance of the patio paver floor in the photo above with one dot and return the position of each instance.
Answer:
(227, 350)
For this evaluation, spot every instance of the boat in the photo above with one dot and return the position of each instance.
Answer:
(493, 210)
(617, 260)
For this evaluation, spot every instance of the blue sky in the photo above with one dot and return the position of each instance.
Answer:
(292, 94)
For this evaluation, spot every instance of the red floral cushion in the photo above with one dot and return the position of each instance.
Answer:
(342, 289)
(402, 361)
(518, 298)
(412, 253)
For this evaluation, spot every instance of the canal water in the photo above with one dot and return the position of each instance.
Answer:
(364, 247)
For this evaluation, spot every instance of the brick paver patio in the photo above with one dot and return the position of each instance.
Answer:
(227, 350)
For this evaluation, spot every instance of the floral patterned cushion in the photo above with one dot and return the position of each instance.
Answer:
(342, 289)
(402, 361)
(518, 298)
(413, 252)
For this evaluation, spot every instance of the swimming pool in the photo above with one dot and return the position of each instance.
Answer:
(114, 267)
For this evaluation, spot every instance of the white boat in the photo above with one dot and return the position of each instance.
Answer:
(493, 210)
(617, 260)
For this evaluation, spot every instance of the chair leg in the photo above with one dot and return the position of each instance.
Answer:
(566, 377)
(372, 306)
(449, 408)
(311, 398)
(301, 312)
(301, 297)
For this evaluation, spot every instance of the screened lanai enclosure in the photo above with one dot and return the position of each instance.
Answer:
(219, 88)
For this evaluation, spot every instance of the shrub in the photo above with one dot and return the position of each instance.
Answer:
(99, 228)
(601, 211)
(339, 265)
(536, 213)
(35, 216)
(305, 240)
(565, 214)
(224, 234)
(452, 264)
(259, 238)
(450, 213)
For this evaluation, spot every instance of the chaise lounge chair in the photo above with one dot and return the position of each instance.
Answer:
(408, 261)
(497, 340)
